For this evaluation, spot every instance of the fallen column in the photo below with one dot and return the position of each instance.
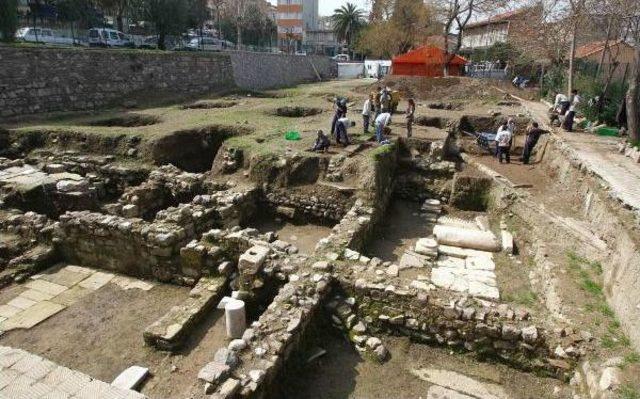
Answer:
(465, 238)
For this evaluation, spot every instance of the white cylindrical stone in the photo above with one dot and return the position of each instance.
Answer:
(235, 318)
(465, 238)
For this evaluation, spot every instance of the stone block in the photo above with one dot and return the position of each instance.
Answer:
(507, 242)
(213, 372)
(131, 378)
(252, 260)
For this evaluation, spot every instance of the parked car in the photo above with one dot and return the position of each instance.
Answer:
(301, 52)
(205, 43)
(44, 35)
(150, 42)
(104, 37)
(341, 57)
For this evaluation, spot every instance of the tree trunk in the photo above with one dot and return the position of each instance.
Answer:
(120, 22)
(572, 57)
(633, 100)
(238, 36)
(161, 37)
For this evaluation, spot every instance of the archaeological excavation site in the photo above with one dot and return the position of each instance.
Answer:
(190, 250)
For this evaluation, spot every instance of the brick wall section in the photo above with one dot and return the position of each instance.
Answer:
(259, 71)
(40, 80)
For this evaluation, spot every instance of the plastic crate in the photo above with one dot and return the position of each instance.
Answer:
(607, 131)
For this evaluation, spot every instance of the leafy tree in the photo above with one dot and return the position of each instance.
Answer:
(8, 19)
(347, 22)
(408, 26)
(168, 16)
(118, 8)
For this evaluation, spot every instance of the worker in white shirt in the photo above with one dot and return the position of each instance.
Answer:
(367, 111)
(503, 142)
(382, 121)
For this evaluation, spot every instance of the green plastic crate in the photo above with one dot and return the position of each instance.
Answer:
(607, 131)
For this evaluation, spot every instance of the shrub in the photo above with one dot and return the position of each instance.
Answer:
(8, 19)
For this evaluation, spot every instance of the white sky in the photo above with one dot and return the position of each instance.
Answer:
(326, 7)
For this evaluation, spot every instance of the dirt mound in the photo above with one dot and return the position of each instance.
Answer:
(131, 120)
(296, 112)
(440, 89)
(209, 104)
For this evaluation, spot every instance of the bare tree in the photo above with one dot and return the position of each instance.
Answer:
(455, 15)
(575, 18)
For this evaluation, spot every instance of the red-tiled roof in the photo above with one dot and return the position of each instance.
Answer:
(595, 47)
(505, 16)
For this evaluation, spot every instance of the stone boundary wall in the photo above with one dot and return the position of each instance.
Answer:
(39, 80)
(259, 71)
(42, 80)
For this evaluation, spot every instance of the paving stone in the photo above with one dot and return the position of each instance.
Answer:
(21, 302)
(32, 316)
(442, 277)
(64, 277)
(479, 263)
(55, 394)
(479, 289)
(32, 376)
(462, 252)
(438, 392)
(10, 357)
(7, 376)
(96, 280)
(461, 383)
(8, 311)
(79, 269)
(411, 259)
(36, 295)
(46, 287)
(71, 381)
(70, 296)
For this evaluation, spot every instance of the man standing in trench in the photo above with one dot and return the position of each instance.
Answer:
(533, 135)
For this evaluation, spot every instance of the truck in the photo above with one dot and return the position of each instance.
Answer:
(44, 35)
(377, 68)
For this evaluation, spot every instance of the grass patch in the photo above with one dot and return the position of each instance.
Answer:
(627, 391)
(631, 358)
(525, 297)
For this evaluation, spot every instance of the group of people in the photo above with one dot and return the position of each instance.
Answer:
(564, 109)
(376, 112)
(504, 140)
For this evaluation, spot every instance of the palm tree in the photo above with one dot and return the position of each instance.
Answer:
(347, 21)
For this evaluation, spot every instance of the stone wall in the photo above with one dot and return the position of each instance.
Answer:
(41, 80)
(259, 71)
(37, 80)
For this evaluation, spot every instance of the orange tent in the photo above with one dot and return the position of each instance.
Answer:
(426, 61)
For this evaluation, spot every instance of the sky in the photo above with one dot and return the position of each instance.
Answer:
(326, 7)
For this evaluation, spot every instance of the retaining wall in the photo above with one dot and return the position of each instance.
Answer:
(42, 80)
(259, 71)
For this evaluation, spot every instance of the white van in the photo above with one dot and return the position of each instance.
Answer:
(43, 35)
(103, 37)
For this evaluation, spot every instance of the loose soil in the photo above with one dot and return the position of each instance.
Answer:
(303, 236)
(343, 373)
(405, 226)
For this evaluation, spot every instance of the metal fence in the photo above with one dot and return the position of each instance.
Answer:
(486, 70)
